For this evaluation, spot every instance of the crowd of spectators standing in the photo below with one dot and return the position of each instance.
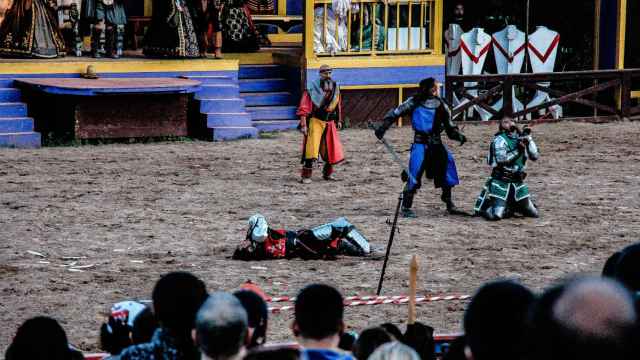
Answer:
(579, 318)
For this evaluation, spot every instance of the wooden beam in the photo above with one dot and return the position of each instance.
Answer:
(437, 28)
(282, 7)
(621, 34)
(569, 97)
(308, 29)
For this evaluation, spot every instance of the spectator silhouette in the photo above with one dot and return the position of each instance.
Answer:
(495, 322)
(318, 322)
(369, 340)
(588, 318)
(176, 297)
(258, 316)
(222, 328)
(41, 338)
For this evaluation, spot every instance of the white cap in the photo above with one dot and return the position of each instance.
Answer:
(258, 228)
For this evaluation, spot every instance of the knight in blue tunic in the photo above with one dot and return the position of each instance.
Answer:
(429, 156)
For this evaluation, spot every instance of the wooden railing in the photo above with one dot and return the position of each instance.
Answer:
(372, 27)
(596, 94)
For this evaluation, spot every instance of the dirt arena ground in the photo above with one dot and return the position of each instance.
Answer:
(136, 211)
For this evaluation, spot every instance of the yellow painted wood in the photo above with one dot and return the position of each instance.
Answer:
(148, 8)
(115, 66)
(257, 58)
(437, 27)
(378, 61)
(282, 7)
(283, 18)
(308, 29)
(621, 33)
(285, 38)
(620, 42)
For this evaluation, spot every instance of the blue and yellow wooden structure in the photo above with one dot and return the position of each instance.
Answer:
(613, 25)
(262, 88)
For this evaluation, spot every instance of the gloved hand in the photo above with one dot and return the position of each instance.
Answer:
(380, 131)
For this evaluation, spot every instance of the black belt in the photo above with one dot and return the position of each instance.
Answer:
(508, 176)
(426, 138)
(324, 115)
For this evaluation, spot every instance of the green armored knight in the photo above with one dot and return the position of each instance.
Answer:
(505, 192)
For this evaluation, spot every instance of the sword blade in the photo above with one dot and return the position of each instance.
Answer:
(395, 156)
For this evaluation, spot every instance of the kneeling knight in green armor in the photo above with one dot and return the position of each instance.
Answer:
(505, 192)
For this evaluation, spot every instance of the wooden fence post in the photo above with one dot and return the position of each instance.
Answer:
(448, 91)
(507, 94)
(625, 94)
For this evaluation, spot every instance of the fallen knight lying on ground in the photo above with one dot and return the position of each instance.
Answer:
(323, 242)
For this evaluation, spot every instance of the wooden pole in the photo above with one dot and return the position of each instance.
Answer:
(413, 281)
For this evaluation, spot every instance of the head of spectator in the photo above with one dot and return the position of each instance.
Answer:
(318, 321)
(40, 338)
(495, 322)
(347, 339)
(609, 269)
(369, 340)
(258, 315)
(458, 11)
(222, 328)
(177, 296)
(627, 269)
(394, 351)
(592, 318)
(394, 331)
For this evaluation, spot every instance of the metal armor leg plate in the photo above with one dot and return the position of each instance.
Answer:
(119, 40)
(350, 234)
(527, 208)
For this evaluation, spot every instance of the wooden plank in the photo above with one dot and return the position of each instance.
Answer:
(481, 104)
(586, 102)
(507, 97)
(625, 95)
(544, 77)
(569, 97)
(131, 116)
(475, 101)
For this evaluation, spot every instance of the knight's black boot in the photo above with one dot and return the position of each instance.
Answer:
(446, 198)
(407, 203)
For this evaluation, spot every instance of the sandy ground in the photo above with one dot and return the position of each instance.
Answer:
(137, 211)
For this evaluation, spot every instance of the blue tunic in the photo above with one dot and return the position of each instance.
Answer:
(423, 120)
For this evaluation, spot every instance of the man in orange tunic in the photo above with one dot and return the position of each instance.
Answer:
(320, 114)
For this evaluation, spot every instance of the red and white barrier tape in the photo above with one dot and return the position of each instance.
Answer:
(382, 300)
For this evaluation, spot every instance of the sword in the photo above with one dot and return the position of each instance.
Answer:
(394, 154)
